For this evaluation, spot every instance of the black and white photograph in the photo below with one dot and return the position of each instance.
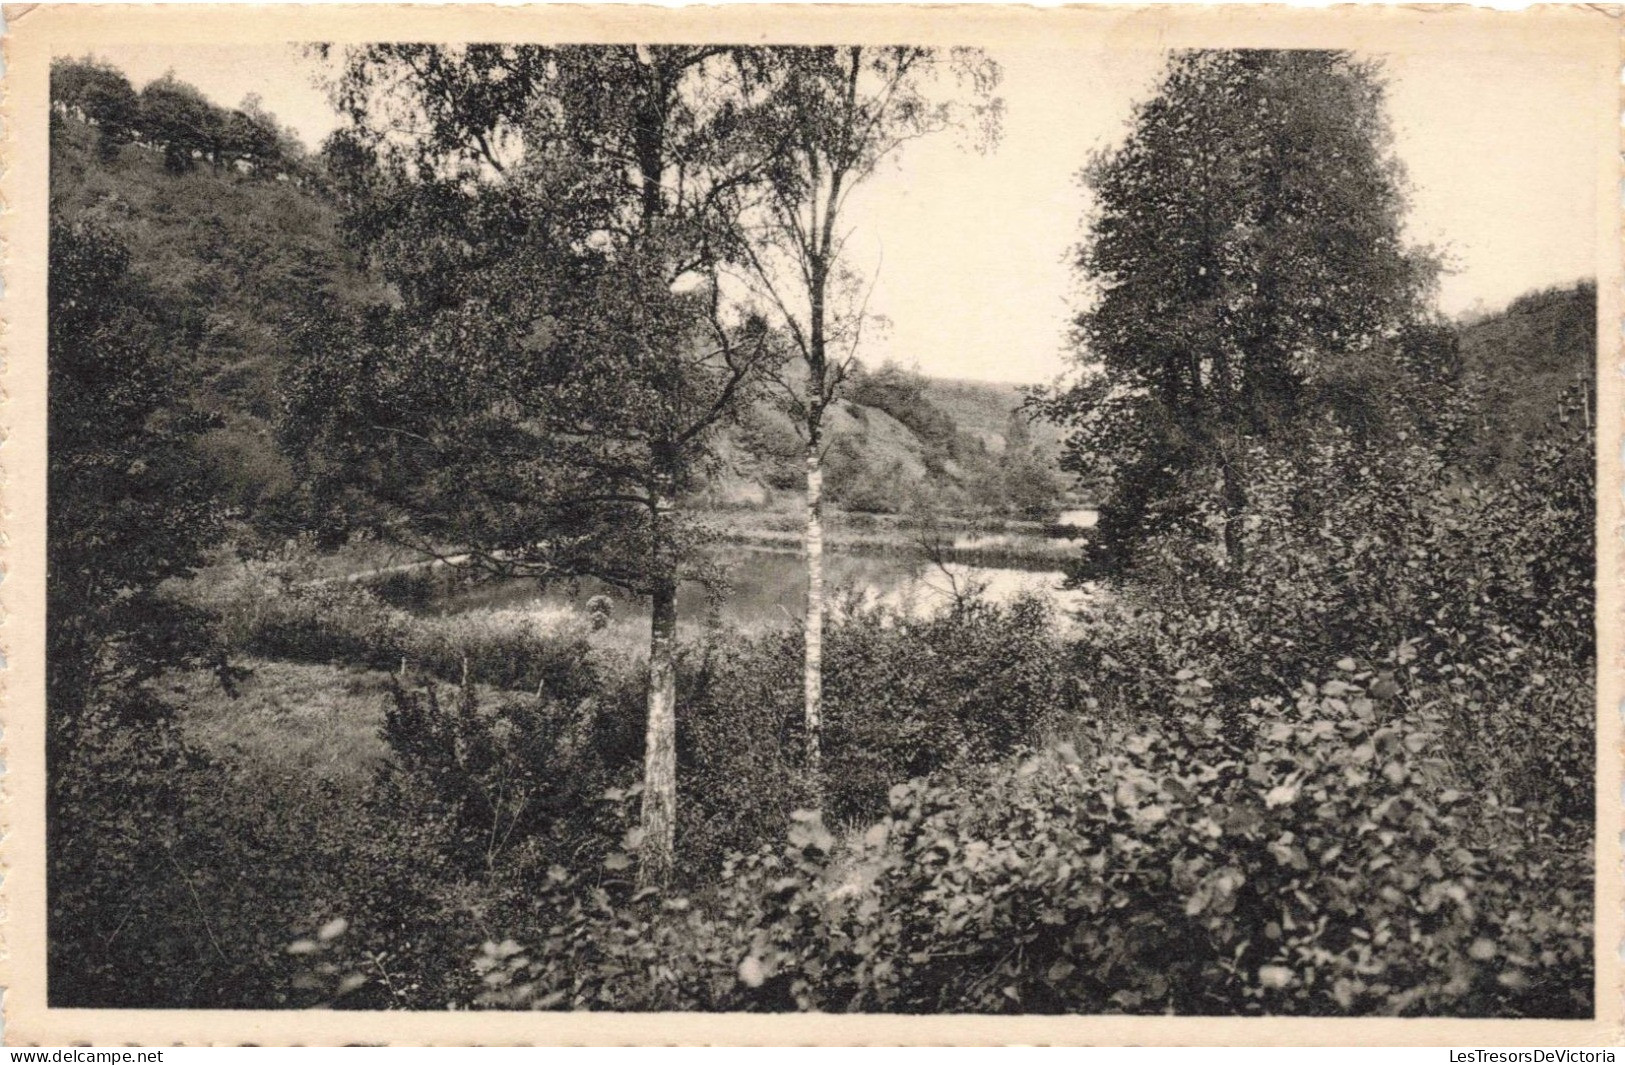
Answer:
(1066, 518)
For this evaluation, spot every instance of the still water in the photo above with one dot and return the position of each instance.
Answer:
(768, 587)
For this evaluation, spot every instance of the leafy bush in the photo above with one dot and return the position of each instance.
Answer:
(903, 697)
(1311, 857)
(1356, 548)
(1303, 858)
(512, 785)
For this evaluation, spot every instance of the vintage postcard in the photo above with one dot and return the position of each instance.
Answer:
(817, 525)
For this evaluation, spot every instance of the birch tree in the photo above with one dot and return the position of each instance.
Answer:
(837, 114)
(554, 220)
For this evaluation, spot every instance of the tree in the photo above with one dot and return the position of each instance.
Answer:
(1247, 264)
(250, 134)
(546, 391)
(839, 113)
(181, 120)
(100, 94)
(129, 504)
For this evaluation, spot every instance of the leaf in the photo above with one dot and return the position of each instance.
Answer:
(1281, 795)
(615, 861)
(750, 971)
(332, 929)
(1347, 665)
(1151, 815)
(303, 946)
(1276, 976)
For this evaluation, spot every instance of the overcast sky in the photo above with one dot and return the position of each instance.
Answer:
(973, 251)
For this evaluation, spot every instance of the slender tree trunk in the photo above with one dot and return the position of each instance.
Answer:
(814, 674)
(1235, 506)
(659, 816)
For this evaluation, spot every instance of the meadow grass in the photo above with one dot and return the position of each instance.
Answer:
(291, 724)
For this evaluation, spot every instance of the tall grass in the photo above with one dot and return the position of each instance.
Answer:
(264, 610)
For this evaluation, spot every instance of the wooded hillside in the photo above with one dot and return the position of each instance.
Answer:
(253, 258)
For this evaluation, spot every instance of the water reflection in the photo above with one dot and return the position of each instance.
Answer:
(768, 587)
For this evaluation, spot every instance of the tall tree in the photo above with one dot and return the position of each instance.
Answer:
(839, 113)
(546, 392)
(1245, 258)
(131, 506)
(100, 94)
(181, 120)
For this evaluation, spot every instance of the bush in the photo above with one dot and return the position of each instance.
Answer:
(1304, 858)
(1355, 549)
(903, 697)
(267, 613)
(511, 787)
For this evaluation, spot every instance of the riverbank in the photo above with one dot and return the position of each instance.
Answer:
(1029, 546)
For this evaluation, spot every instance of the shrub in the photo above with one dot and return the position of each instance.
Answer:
(511, 786)
(1356, 548)
(903, 697)
(1310, 857)
(266, 612)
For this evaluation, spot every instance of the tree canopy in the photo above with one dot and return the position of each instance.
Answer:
(550, 382)
(1245, 262)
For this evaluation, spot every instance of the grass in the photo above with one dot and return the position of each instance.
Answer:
(291, 724)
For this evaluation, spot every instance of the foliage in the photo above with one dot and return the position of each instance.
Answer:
(101, 95)
(1365, 547)
(235, 267)
(1246, 250)
(263, 612)
(1327, 751)
(902, 395)
(130, 507)
(566, 355)
(1309, 856)
(905, 696)
(512, 785)
(1518, 364)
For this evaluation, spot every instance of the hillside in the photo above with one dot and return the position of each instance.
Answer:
(901, 443)
(1520, 361)
(247, 256)
(239, 259)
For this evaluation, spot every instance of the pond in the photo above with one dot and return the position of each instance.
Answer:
(767, 587)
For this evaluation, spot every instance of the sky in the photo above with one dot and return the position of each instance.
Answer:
(971, 252)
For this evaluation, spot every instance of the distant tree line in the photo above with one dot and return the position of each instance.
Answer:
(171, 116)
